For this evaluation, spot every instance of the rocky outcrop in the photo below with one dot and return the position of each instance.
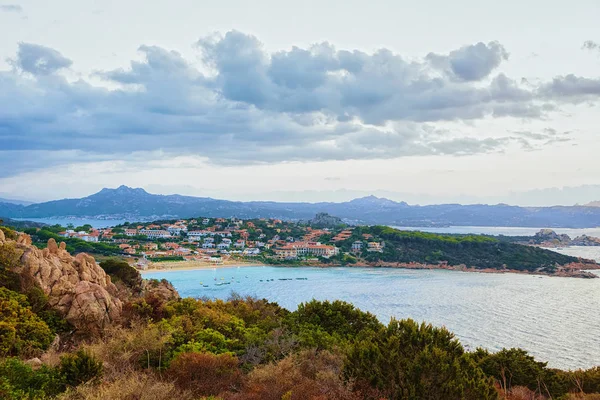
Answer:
(162, 289)
(76, 286)
(585, 240)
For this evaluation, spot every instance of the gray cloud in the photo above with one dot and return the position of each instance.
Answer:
(318, 103)
(11, 8)
(470, 63)
(591, 45)
(40, 60)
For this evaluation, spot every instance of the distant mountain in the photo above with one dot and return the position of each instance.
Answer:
(592, 204)
(128, 203)
(12, 201)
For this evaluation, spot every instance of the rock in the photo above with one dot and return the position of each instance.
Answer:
(52, 246)
(2, 237)
(24, 239)
(34, 363)
(76, 286)
(162, 289)
(324, 220)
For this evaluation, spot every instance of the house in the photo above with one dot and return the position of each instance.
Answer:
(171, 245)
(226, 241)
(208, 245)
(223, 246)
(205, 221)
(357, 246)
(150, 246)
(195, 235)
(240, 244)
(375, 246)
(131, 232)
(175, 230)
(251, 251)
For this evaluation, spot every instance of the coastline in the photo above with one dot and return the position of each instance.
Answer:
(579, 270)
(167, 266)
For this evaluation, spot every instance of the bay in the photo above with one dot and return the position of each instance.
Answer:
(94, 222)
(555, 319)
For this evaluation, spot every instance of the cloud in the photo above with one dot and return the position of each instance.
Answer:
(591, 45)
(244, 105)
(470, 63)
(15, 8)
(40, 60)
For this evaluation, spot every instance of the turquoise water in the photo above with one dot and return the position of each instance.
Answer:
(555, 319)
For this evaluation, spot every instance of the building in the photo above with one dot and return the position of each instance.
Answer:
(176, 230)
(357, 246)
(155, 233)
(375, 246)
(131, 232)
(299, 249)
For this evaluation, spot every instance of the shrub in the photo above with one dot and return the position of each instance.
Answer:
(133, 385)
(316, 320)
(79, 368)
(307, 375)
(10, 257)
(205, 373)
(515, 367)
(121, 271)
(19, 381)
(407, 360)
(22, 332)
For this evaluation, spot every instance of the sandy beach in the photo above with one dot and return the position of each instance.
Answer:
(195, 265)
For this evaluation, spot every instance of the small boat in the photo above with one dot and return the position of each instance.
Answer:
(204, 285)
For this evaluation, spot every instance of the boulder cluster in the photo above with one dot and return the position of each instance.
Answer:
(76, 287)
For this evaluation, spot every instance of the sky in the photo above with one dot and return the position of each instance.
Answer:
(426, 102)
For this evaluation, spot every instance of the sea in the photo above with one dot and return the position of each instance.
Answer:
(555, 319)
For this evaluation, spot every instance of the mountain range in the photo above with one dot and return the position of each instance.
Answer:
(137, 204)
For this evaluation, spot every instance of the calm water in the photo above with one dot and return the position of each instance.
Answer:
(95, 223)
(556, 319)
(503, 230)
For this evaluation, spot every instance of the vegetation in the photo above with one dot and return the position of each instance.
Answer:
(40, 239)
(471, 250)
(246, 348)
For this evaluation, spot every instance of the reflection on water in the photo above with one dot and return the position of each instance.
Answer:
(556, 319)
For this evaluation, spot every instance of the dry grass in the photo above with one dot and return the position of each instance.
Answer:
(124, 350)
(133, 386)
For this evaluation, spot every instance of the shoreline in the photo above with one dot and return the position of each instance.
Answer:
(580, 270)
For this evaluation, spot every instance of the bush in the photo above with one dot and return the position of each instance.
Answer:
(306, 375)
(407, 360)
(205, 373)
(121, 271)
(131, 385)
(79, 368)
(19, 381)
(22, 332)
(515, 367)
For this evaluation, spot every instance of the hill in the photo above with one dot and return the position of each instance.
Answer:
(592, 204)
(135, 204)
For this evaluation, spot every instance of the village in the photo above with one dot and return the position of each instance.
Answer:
(219, 240)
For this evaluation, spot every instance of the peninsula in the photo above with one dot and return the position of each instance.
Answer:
(323, 241)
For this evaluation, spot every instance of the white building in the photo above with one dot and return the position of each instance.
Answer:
(155, 234)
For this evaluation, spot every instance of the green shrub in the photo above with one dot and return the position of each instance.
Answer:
(22, 332)
(121, 271)
(79, 368)
(407, 360)
(19, 381)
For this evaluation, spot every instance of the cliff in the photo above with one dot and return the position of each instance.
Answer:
(76, 287)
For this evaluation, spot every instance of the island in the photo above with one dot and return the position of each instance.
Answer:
(322, 241)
